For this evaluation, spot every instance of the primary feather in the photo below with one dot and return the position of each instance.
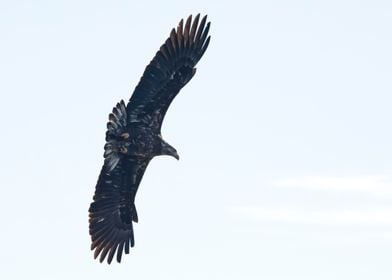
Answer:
(133, 138)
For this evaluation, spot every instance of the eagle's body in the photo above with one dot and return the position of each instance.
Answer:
(133, 138)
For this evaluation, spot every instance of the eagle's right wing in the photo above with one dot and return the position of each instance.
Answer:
(170, 70)
(113, 209)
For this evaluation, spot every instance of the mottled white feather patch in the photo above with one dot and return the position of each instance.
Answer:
(116, 127)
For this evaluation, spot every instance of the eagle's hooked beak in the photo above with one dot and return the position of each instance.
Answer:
(172, 152)
(175, 155)
(169, 150)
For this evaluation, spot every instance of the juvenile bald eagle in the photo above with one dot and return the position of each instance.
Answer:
(134, 137)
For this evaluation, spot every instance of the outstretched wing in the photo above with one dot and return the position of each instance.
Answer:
(112, 211)
(170, 69)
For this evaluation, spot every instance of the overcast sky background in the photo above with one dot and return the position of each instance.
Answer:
(284, 136)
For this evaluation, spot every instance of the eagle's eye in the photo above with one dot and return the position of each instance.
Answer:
(123, 150)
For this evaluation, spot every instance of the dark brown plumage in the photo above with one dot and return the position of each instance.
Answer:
(133, 138)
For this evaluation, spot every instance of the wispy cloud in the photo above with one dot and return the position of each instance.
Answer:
(377, 185)
(346, 214)
(316, 217)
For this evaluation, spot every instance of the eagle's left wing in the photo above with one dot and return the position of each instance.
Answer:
(113, 208)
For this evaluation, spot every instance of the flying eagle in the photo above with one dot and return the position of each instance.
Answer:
(133, 137)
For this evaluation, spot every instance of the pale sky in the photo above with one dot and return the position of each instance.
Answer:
(284, 137)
